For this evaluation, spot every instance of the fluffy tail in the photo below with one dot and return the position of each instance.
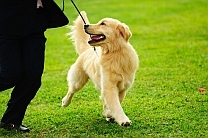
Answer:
(78, 35)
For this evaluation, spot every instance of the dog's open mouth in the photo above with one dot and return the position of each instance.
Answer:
(96, 38)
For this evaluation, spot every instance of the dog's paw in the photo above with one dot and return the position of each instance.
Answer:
(65, 102)
(110, 119)
(126, 124)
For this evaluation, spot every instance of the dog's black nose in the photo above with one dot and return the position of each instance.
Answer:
(85, 26)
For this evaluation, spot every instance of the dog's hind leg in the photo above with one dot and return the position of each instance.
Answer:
(107, 113)
(76, 78)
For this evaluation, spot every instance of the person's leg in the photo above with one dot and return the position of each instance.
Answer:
(33, 63)
(10, 62)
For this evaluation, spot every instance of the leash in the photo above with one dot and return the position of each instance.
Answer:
(78, 11)
(82, 19)
(75, 8)
(63, 5)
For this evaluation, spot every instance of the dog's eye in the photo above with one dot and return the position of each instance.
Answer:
(102, 23)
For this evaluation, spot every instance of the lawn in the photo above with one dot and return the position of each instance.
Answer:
(171, 38)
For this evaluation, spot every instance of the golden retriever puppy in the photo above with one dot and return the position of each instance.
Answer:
(111, 67)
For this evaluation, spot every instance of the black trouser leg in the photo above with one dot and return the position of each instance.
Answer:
(10, 62)
(32, 59)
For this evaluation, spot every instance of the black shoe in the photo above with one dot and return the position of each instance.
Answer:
(15, 127)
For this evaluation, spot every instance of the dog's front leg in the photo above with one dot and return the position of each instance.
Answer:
(111, 100)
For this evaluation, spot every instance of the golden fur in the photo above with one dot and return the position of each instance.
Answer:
(111, 68)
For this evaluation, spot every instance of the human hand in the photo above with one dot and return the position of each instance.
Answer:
(39, 4)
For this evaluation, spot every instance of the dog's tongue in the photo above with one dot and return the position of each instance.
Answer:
(95, 37)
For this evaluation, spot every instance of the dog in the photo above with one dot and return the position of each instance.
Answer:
(111, 68)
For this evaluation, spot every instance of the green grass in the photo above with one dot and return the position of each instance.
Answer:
(171, 38)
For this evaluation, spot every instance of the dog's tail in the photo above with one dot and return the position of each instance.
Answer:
(78, 35)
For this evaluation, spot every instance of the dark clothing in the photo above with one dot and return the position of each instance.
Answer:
(22, 63)
(22, 47)
(17, 16)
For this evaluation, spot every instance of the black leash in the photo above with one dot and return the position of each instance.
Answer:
(63, 5)
(82, 19)
(78, 11)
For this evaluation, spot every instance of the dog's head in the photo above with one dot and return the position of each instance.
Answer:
(107, 31)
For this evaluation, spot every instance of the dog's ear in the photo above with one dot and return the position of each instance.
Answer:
(124, 31)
